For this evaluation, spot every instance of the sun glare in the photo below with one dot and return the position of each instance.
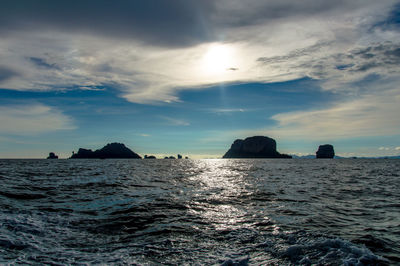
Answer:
(218, 60)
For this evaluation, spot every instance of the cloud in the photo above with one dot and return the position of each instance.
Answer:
(151, 50)
(6, 73)
(40, 62)
(228, 110)
(371, 115)
(368, 116)
(170, 23)
(253, 12)
(175, 122)
(339, 70)
(32, 119)
(397, 148)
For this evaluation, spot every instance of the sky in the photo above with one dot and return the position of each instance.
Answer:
(190, 77)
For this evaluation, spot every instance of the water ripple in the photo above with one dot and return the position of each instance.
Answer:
(231, 212)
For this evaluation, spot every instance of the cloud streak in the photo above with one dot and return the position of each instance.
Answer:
(32, 119)
(175, 122)
(371, 115)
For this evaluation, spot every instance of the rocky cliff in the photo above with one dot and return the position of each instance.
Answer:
(254, 147)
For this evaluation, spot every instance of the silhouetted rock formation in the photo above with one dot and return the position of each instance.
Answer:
(150, 157)
(325, 151)
(83, 153)
(254, 147)
(179, 156)
(112, 150)
(52, 155)
(170, 157)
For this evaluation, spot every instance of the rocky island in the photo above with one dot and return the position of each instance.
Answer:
(325, 151)
(110, 151)
(52, 155)
(254, 147)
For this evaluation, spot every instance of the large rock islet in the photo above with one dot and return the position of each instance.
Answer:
(110, 151)
(254, 147)
(325, 151)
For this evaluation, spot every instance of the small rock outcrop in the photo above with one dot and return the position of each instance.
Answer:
(325, 152)
(52, 155)
(110, 151)
(179, 156)
(254, 147)
(150, 157)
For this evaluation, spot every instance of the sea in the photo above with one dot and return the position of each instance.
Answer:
(200, 212)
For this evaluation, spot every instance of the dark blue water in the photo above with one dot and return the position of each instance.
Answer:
(230, 212)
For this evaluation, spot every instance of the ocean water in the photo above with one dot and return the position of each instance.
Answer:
(200, 212)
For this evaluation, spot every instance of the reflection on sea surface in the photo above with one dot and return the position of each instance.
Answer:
(199, 211)
(219, 182)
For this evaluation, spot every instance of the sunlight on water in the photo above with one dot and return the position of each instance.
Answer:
(199, 212)
(220, 181)
(218, 175)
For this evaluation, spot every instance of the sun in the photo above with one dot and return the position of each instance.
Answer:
(218, 59)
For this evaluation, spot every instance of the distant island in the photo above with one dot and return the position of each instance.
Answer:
(110, 151)
(251, 147)
(254, 147)
(178, 156)
(52, 155)
(325, 152)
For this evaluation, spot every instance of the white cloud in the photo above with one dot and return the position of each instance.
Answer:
(370, 115)
(397, 148)
(228, 110)
(32, 119)
(175, 122)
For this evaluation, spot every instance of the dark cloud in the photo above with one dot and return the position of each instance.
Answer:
(344, 67)
(6, 73)
(393, 52)
(298, 53)
(158, 22)
(379, 59)
(358, 60)
(251, 12)
(170, 23)
(104, 68)
(42, 63)
(390, 22)
(383, 55)
(366, 66)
